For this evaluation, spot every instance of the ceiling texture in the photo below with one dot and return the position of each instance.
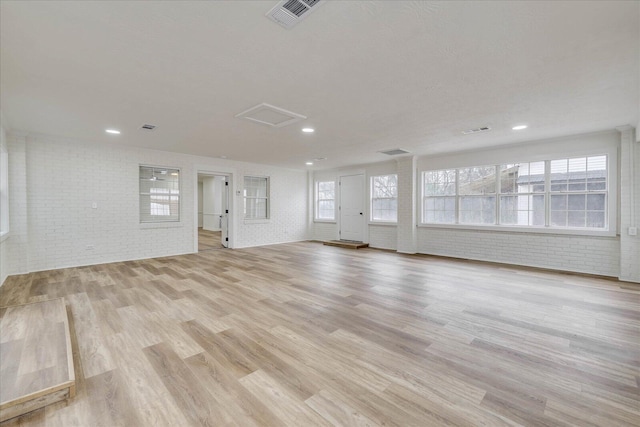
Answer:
(368, 75)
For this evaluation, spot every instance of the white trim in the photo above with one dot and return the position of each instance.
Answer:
(230, 173)
(516, 229)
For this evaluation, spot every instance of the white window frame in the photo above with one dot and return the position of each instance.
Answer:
(611, 200)
(158, 219)
(267, 198)
(317, 201)
(372, 219)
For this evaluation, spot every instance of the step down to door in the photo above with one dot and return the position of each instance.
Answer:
(35, 357)
(346, 244)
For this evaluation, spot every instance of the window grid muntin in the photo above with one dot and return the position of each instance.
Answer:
(256, 197)
(594, 219)
(159, 194)
(325, 201)
(384, 198)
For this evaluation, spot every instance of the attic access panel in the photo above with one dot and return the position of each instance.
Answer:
(270, 115)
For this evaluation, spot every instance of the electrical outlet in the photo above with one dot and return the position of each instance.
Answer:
(94, 205)
(633, 231)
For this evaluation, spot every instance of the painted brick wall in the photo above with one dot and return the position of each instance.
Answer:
(406, 229)
(383, 236)
(288, 207)
(585, 254)
(629, 205)
(325, 231)
(54, 182)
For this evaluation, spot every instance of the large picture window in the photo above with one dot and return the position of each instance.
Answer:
(159, 194)
(325, 201)
(384, 198)
(567, 193)
(256, 197)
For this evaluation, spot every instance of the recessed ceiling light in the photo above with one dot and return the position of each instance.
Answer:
(308, 130)
(309, 163)
(113, 131)
(519, 127)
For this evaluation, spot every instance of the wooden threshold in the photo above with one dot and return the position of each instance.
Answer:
(346, 244)
(35, 357)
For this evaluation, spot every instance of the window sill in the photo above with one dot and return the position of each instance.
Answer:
(325, 221)
(384, 223)
(257, 221)
(4, 236)
(534, 230)
(153, 225)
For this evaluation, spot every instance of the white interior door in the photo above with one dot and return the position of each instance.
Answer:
(224, 216)
(352, 207)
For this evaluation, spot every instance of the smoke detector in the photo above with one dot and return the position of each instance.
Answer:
(288, 13)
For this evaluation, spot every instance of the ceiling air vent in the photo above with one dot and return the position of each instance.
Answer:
(269, 115)
(476, 130)
(288, 13)
(148, 127)
(394, 152)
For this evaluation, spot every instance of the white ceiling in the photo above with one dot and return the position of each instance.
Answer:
(369, 75)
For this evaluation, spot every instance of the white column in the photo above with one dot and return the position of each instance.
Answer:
(407, 233)
(629, 205)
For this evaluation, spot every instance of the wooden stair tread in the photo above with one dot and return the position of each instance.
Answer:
(36, 361)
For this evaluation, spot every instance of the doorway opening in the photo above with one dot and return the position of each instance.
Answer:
(213, 211)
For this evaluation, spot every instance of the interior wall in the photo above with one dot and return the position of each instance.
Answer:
(212, 202)
(4, 244)
(200, 204)
(615, 255)
(54, 183)
(382, 236)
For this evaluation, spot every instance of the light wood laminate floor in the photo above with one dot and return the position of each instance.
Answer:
(309, 335)
(208, 240)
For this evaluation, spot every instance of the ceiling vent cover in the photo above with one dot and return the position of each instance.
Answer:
(476, 130)
(394, 152)
(147, 127)
(288, 13)
(269, 115)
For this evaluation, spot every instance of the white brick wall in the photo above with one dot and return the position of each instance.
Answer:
(584, 254)
(629, 205)
(383, 236)
(54, 181)
(406, 241)
(325, 231)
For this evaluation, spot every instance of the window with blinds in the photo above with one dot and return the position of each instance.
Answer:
(159, 194)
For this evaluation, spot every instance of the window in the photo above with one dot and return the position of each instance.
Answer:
(384, 198)
(522, 194)
(568, 193)
(159, 194)
(325, 200)
(439, 201)
(4, 191)
(477, 195)
(579, 192)
(256, 197)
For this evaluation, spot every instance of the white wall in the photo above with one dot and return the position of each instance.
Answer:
(4, 244)
(54, 181)
(617, 254)
(377, 235)
(570, 252)
(200, 204)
